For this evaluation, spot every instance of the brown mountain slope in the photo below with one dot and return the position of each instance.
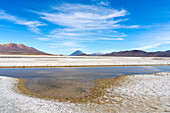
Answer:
(13, 48)
(133, 53)
(139, 53)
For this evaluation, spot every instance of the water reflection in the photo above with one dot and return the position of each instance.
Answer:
(72, 82)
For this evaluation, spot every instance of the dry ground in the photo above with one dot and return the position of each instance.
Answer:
(131, 93)
(31, 61)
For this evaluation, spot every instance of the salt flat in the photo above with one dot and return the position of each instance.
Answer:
(14, 102)
(135, 93)
(141, 93)
(57, 61)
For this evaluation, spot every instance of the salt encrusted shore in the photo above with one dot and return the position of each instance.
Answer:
(139, 93)
(31, 61)
(14, 102)
(131, 93)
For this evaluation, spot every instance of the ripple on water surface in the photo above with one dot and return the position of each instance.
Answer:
(72, 82)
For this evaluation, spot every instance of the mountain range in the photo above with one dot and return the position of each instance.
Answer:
(132, 53)
(140, 53)
(20, 49)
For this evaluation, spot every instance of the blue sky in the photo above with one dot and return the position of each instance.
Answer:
(63, 26)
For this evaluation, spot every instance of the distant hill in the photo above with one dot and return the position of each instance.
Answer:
(140, 53)
(132, 53)
(20, 49)
(78, 53)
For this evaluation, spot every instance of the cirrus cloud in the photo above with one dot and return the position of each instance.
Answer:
(85, 17)
(82, 21)
(32, 25)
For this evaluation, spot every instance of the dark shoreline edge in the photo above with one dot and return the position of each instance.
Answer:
(98, 91)
(83, 66)
(93, 97)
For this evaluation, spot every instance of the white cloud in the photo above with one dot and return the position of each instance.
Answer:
(105, 3)
(83, 21)
(111, 38)
(148, 47)
(65, 44)
(132, 26)
(101, 2)
(155, 38)
(85, 17)
(44, 39)
(32, 25)
(70, 34)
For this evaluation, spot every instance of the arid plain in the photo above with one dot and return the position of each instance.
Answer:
(128, 93)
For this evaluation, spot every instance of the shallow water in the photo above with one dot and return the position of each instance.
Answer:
(72, 82)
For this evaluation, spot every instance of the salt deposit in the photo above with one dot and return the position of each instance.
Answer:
(42, 61)
(136, 93)
(13, 102)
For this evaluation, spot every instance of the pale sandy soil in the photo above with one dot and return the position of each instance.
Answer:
(57, 61)
(140, 93)
(14, 102)
(126, 94)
